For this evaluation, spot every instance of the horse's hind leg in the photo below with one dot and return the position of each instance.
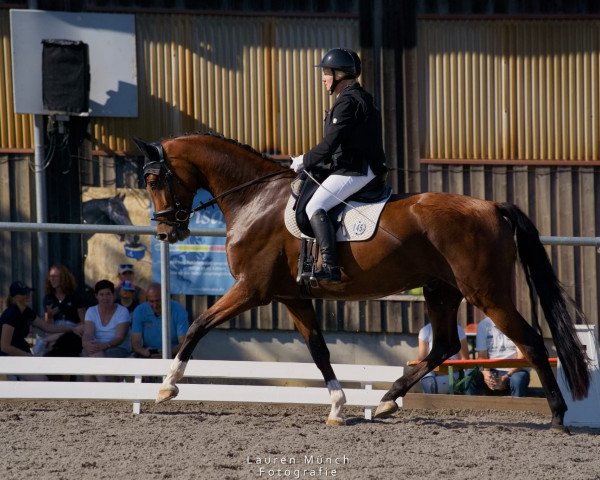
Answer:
(531, 345)
(442, 302)
(303, 314)
(237, 300)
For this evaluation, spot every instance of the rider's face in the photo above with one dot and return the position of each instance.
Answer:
(327, 78)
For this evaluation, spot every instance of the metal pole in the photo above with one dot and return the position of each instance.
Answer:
(165, 286)
(40, 203)
(89, 228)
(213, 232)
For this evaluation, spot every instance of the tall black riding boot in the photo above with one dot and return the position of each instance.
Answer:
(325, 235)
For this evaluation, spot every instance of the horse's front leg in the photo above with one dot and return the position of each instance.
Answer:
(234, 302)
(305, 319)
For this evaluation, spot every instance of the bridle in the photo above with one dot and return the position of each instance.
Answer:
(177, 215)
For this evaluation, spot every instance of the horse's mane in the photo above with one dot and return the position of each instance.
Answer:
(211, 133)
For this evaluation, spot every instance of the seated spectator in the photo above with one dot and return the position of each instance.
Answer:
(16, 321)
(63, 306)
(127, 297)
(146, 330)
(126, 274)
(107, 324)
(432, 382)
(492, 343)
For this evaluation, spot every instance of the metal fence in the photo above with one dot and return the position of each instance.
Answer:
(352, 313)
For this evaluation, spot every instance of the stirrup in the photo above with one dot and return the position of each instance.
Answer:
(328, 274)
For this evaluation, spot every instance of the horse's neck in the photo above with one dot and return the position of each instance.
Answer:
(230, 171)
(232, 167)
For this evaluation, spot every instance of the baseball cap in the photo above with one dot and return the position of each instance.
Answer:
(127, 285)
(19, 288)
(125, 267)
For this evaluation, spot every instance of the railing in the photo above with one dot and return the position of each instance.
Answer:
(208, 232)
(365, 375)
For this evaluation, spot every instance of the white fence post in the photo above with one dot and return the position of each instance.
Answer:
(137, 404)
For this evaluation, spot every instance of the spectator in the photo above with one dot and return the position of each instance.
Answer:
(492, 343)
(126, 273)
(16, 321)
(62, 306)
(432, 382)
(146, 331)
(61, 302)
(127, 297)
(106, 325)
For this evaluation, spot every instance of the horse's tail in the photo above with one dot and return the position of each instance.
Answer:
(554, 300)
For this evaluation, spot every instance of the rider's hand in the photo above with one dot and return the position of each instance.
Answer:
(297, 163)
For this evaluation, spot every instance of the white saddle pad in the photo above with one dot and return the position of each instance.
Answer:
(358, 220)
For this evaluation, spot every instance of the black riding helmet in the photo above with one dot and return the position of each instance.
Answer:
(344, 60)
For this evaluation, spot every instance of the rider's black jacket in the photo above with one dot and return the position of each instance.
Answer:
(352, 136)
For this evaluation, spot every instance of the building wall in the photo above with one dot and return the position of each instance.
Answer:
(509, 111)
(510, 89)
(247, 77)
(505, 114)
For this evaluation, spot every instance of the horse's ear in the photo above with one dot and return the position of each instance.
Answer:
(142, 145)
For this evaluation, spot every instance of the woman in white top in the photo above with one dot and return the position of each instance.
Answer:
(433, 383)
(107, 324)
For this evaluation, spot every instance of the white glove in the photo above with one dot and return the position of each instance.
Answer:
(297, 163)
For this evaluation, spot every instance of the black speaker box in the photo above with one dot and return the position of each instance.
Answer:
(65, 76)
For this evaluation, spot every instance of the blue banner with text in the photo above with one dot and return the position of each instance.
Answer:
(198, 264)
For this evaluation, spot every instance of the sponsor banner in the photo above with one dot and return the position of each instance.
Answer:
(198, 264)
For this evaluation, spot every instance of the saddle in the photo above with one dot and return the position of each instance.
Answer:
(355, 219)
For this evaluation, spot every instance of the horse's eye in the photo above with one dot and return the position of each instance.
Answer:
(153, 184)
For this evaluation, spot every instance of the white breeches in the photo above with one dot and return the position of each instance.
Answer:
(336, 188)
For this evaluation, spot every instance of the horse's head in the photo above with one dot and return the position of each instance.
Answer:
(117, 213)
(172, 190)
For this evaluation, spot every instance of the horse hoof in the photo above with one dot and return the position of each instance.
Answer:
(335, 422)
(560, 429)
(386, 409)
(167, 393)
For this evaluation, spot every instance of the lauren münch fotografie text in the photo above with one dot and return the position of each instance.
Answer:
(297, 467)
(303, 460)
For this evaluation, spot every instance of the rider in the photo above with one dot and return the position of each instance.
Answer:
(352, 145)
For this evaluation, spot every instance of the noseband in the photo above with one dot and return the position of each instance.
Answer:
(177, 215)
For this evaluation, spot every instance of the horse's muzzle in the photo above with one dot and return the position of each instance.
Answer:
(171, 233)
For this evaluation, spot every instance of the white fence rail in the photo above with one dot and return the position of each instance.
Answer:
(365, 375)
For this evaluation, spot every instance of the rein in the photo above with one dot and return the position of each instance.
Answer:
(213, 200)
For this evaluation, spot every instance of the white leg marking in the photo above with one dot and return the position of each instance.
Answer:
(338, 399)
(176, 371)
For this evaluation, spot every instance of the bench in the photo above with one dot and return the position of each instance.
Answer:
(447, 368)
(136, 391)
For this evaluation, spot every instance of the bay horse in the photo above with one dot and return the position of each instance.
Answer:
(455, 246)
